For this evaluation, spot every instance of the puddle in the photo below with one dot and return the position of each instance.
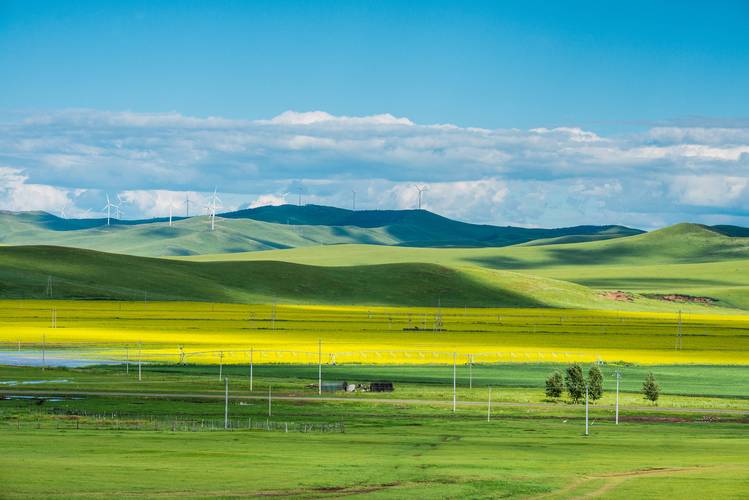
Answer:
(49, 399)
(32, 382)
(52, 358)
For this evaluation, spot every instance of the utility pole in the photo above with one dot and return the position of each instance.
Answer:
(489, 406)
(455, 381)
(319, 366)
(127, 360)
(139, 362)
(470, 371)
(251, 353)
(220, 365)
(44, 353)
(618, 376)
(678, 333)
(586, 409)
(226, 403)
(270, 400)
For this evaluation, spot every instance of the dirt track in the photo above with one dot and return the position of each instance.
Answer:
(432, 402)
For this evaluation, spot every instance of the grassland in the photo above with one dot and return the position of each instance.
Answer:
(132, 445)
(273, 227)
(685, 258)
(372, 335)
(442, 458)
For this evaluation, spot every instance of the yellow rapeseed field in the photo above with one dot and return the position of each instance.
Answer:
(229, 333)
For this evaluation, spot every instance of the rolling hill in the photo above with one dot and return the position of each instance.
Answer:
(65, 273)
(686, 259)
(276, 227)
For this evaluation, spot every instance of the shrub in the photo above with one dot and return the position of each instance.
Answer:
(575, 382)
(650, 388)
(595, 383)
(554, 385)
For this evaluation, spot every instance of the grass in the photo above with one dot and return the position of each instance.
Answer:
(685, 258)
(371, 335)
(86, 448)
(84, 274)
(272, 227)
(440, 458)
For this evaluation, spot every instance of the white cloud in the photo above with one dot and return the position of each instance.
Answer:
(542, 176)
(711, 190)
(314, 117)
(268, 199)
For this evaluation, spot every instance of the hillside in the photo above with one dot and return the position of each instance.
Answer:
(28, 271)
(420, 227)
(685, 258)
(679, 244)
(274, 227)
(25, 272)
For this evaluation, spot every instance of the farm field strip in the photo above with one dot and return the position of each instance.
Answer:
(201, 333)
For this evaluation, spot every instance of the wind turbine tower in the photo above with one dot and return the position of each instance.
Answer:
(108, 207)
(215, 203)
(187, 204)
(171, 208)
(118, 207)
(421, 190)
(353, 203)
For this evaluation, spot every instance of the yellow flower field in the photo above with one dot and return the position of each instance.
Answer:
(212, 333)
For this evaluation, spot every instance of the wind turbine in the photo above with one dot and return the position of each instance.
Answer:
(171, 208)
(353, 203)
(187, 204)
(215, 203)
(421, 190)
(118, 207)
(108, 207)
(62, 210)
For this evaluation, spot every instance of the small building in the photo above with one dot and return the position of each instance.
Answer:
(381, 387)
(333, 386)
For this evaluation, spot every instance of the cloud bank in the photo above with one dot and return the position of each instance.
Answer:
(537, 177)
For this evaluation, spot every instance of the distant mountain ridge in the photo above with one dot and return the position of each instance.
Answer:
(419, 227)
(277, 227)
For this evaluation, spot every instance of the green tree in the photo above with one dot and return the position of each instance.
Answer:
(595, 383)
(554, 385)
(575, 382)
(650, 388)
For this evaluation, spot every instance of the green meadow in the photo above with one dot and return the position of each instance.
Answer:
(133, 445)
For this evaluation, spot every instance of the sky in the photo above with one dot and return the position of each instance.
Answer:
(526, 113)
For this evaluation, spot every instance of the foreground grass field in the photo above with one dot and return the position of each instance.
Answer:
(135, 445)
(505, 458)
(212, 333)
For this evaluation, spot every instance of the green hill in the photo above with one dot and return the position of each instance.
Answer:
(25, 272)
(266, 228)
(685, 259)
(420, 227)
(28, 271)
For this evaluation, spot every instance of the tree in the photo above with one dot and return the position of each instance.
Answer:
(595, 383)
(575, 382)
(650, 388)
(554, 385)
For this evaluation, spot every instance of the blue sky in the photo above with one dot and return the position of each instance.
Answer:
(84, 81)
